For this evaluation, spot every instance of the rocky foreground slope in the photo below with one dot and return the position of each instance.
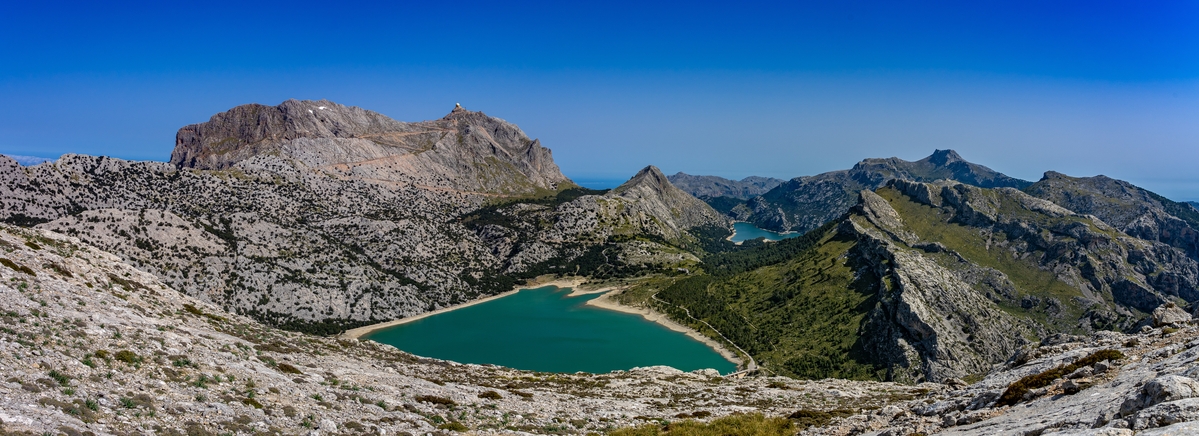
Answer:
(94, 346)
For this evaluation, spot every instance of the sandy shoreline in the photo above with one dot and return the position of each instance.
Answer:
(576, 285)
(605, 302)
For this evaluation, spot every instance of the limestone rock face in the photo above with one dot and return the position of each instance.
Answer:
(464, 150)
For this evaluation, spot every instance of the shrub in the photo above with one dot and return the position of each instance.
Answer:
(15, 267)
(283, 367)
(490, 395)
(251, 402)
(128, 357)
(432, 399)
(59, 377)
(103, 354)
(453, 426)
(1016, 391)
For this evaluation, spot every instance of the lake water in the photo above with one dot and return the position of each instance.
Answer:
(544, 330)
(743, 231)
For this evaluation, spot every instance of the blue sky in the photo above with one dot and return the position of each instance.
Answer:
(773, 89)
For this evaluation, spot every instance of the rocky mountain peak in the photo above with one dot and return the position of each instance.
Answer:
(649, 176)
(465, 150)
(944, 157)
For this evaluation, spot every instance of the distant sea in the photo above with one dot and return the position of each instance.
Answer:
(599, 183)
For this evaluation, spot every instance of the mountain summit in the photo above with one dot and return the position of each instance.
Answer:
(464, 150)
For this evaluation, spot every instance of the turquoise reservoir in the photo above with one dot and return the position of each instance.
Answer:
(743, 231)
(545, 330)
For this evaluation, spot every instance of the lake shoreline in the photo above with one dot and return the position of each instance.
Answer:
(730, 237)
(577, 288)
(606, 302)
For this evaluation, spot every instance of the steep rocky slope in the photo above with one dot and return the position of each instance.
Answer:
(713, 186)
(91, 344)
(464, 150)
(1131, 209)
(804, 203)
(928, 282)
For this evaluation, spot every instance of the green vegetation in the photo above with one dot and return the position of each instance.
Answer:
(733, 425)
(796, 305)
(15, 267)
(1015, 392)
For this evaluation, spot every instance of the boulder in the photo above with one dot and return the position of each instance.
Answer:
(1169, 314)
(1163, 389)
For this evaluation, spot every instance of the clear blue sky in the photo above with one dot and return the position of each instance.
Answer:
(731, 89)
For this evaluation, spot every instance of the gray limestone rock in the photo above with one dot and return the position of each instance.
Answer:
(1169, 314)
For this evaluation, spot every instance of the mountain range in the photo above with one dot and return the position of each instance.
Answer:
(315, 217)
(318, 217)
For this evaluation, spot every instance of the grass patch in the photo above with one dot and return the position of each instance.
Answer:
(734, 425)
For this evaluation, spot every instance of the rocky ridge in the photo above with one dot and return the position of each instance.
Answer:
(1131, 209)
(805, 203)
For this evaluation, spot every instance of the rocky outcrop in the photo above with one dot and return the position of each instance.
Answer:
(1148, 389)
(713, 186)
(804, 203)
(464, 150)
(1129, 208)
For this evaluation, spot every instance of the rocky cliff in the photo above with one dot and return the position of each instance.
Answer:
(465, 150)
(1133, 210)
